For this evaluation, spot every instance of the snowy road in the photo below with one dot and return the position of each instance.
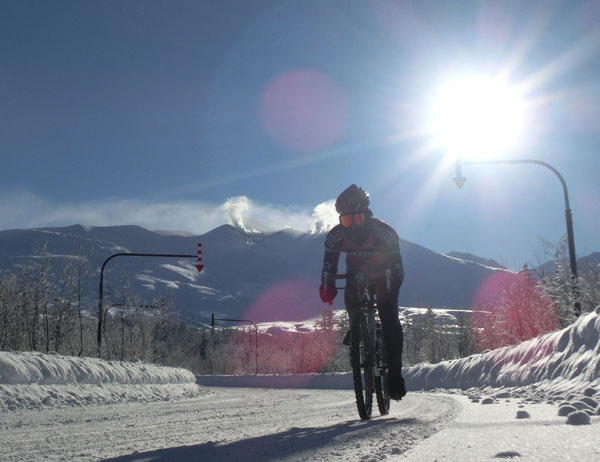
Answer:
(229, 424)
(538, 400)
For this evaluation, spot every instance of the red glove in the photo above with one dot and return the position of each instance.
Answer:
(328, 291)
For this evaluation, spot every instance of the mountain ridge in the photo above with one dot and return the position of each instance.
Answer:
(269, 275)
(474, 258)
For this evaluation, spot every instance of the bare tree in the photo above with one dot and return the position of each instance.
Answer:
(515, 309)
(10, 322)
(33, 294)
(554, 273)
(465, 341)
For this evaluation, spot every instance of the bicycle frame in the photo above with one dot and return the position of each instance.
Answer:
(368, 311)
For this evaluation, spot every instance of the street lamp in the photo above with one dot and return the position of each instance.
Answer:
(199, 267)
(481, 117)
(459, 179)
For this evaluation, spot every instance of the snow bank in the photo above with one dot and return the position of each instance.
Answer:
(562, 361)
(53, 369)
(568, 359)
(32, 380)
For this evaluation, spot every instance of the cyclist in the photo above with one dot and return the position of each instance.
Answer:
(372, 249)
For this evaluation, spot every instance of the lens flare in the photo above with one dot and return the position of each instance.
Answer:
(292, 352)
(291, 300)
(510, 308)
(303, 110)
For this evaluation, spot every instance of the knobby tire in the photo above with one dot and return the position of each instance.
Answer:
(362, 366)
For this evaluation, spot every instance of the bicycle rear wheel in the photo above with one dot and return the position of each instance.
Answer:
(382, 391)
(361, 358)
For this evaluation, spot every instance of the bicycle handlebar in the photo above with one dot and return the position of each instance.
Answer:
(388, 281)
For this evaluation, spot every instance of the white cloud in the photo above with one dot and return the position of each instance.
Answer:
(27, 210)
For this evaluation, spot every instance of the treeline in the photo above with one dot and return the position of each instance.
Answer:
(431, 338)
(244, 351)
(556, 281)
(42, 308)
(508, 309)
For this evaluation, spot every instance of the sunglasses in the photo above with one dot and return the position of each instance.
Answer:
(357, 218)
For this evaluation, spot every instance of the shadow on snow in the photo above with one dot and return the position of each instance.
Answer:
(271, 447)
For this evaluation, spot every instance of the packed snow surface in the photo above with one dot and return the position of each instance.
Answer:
(535, 401)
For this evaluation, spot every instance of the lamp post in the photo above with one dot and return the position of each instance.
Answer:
(199, 267)
(459, 179)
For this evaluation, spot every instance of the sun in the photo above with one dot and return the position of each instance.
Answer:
(477, 117)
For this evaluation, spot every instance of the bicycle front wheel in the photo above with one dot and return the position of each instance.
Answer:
(361, 358)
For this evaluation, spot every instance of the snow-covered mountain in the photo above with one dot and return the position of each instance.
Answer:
(475, 259)
(269, 276)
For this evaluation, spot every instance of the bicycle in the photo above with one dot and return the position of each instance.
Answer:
(368, 354)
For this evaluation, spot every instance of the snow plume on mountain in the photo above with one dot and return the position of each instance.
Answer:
(188, 216)
(325, 217)
(253, 217)
(35, 380)
(563, 361)
(235, 210)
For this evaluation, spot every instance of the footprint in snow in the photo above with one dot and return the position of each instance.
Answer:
(565, 410)
(507, 455)
(578, 418)
(589, 391)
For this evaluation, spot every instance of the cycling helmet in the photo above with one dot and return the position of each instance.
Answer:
(353, 199)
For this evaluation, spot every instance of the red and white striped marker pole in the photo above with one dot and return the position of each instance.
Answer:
(199, 266)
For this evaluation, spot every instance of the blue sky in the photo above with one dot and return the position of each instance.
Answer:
(188, 114)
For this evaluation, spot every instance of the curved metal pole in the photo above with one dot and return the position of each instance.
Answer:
(568, 214)
(101, 288)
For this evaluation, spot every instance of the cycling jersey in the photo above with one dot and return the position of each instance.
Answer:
(370, 249)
